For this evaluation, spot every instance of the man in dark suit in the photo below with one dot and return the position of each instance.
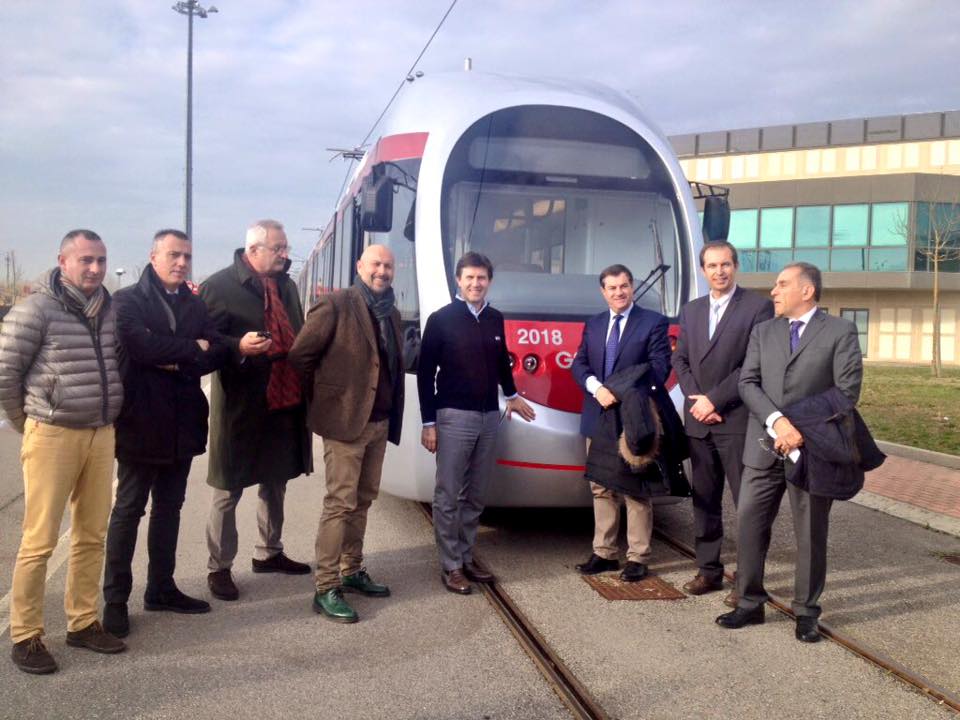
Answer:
(714, 331)
(350, 353)
(800, 353)
(624, 335)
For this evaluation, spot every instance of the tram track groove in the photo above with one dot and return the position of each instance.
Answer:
(561, 678)
(901, 672)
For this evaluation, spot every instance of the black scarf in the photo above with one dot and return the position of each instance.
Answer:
(381, 305)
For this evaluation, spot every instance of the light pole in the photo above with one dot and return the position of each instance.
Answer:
(119, 272)
(190, 8)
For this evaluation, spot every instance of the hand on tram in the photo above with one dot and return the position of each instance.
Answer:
(788, 437)
(605, 398)
(428, 438)
(252, 344)
(702, 407)
(520, 406)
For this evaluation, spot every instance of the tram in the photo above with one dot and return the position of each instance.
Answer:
(553, 180)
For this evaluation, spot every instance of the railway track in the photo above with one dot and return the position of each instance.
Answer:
(583, 705)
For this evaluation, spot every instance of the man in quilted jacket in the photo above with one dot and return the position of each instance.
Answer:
(60, 387)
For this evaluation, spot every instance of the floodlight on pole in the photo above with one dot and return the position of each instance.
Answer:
(190, 8)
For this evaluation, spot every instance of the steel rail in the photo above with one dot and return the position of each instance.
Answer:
(560, 678)
(915, 680)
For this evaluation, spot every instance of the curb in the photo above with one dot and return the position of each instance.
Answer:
(911, 513)
(920, 455)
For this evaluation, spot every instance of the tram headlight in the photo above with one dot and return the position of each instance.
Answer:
(531, 363)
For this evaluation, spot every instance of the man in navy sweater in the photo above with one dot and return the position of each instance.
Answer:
(463, 357)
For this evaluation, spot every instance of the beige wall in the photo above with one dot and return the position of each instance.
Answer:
(900, 327)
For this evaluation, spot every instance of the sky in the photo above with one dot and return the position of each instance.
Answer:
(92, 116)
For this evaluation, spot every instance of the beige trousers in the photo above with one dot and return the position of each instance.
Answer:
(606, 523)
(353, 481)
(61, 464)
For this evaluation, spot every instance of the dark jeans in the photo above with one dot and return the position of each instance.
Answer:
(168, 485)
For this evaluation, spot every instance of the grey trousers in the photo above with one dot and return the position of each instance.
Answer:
(466, 441)
(760, 494)
(222, 525)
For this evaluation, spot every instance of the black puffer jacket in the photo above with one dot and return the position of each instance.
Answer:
(653, 442)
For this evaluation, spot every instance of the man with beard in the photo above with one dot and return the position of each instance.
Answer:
(350, 354)
(258, 431)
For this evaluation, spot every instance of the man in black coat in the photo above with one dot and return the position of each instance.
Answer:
(714, 331)
(166, 343)
(258, 424)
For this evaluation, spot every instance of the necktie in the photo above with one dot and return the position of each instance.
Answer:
(714, 318)
(795, 326)
(613, 342)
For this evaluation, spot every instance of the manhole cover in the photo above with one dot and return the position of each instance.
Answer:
(650, 588)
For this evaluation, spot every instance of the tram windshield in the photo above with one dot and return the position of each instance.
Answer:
(554, 195)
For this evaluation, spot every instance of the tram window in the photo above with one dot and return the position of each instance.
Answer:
(554, 195)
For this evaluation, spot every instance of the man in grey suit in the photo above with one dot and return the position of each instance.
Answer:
(714, 330)
(800, 353)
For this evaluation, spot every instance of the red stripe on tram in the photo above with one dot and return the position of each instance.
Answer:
(540, 466)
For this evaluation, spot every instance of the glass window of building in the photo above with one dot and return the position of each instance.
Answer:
(815, 256)
(743, 229)
(888, 259)
(850, 225)
(860, 318)
(848, 260)
(888, 224)
(813, 226)
(747, 260)
(938, 229)
(776, 227)
(772, 260)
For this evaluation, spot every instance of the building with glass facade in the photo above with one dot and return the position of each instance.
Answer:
(860, 199)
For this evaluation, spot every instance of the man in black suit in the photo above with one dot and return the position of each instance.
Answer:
(714, 331)
(799, 354)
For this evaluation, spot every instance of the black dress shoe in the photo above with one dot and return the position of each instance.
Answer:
(116, 621)
(633, 572)
(597, 564)
(741, 617)
(806, 630)
(175, 601)
(280, 563)
(221, 585)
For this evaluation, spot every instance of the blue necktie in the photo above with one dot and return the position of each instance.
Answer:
(795, 326)
(714, 319)
(613, 342)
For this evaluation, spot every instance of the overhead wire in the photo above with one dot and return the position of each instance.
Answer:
(395, 93)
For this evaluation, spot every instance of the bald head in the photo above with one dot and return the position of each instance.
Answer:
(375, 268)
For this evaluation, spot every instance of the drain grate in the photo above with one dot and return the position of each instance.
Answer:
(650, 588)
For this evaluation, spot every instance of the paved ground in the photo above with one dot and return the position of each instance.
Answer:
(921, 484)
(425, 653)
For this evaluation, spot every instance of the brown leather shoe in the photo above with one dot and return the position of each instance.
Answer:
(455, 582)
(94, 637)
(733, 599)
(222, 586)
(32, 657)
(475, 572)
(700, 585)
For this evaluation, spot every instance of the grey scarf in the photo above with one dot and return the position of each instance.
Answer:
(89, 307)
(381, 305)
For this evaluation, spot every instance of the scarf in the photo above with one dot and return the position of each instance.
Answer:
(381, 305)
(284, 387)
(73, 296)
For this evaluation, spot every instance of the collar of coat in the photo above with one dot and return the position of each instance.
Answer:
(149, 278)
(249, 277)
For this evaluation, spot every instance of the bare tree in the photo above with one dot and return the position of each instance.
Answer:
(943, 245)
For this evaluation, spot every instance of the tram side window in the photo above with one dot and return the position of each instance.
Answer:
(404, 252)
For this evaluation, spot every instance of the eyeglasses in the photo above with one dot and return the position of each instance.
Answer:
(767, 445)
(277, 249)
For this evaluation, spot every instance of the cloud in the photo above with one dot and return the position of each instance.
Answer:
(92, 127)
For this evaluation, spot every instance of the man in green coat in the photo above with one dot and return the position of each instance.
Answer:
(258, 430)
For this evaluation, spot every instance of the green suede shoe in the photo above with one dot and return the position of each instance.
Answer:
(361, 583)
(333, 606)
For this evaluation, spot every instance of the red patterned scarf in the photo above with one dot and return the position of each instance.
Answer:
(284, 388)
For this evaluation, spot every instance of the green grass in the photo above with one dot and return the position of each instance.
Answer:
(907, 405)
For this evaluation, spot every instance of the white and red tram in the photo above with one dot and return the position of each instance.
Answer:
(553, 180)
